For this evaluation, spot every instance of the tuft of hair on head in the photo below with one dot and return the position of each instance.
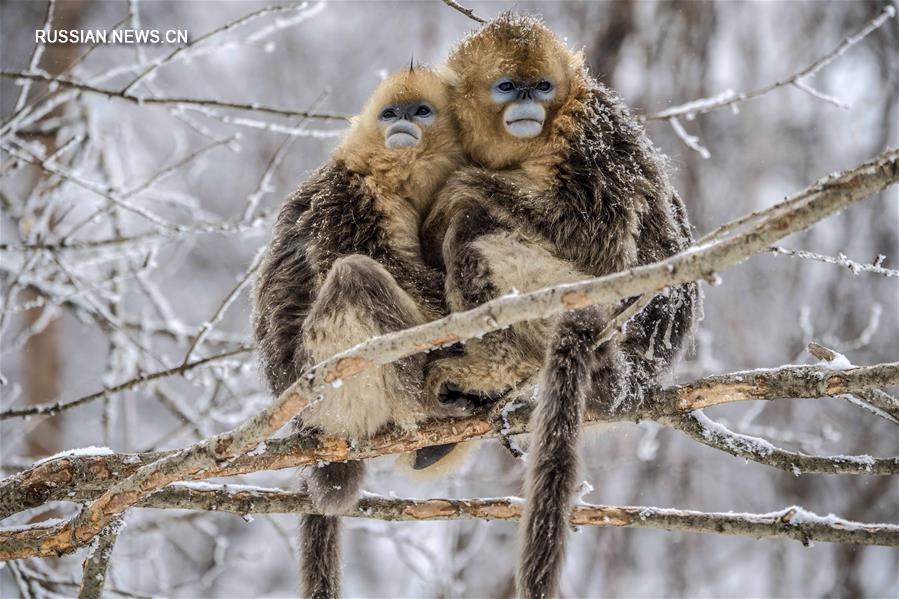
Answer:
(412, 64)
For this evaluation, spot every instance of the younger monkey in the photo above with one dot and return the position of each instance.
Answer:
(345, 265)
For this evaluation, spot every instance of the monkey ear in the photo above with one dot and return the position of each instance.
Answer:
(447, 75)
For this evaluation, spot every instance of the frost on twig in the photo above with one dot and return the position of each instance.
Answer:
(789, 523)
(96, 564)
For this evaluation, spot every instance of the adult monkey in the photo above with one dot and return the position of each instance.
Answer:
(564, 185)
(345, 265)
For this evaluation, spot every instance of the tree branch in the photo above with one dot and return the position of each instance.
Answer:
(465, 11)
(699, 427)
(145, 100)
(789, 523)
(93, 577)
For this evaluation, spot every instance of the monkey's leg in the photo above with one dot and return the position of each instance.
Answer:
(484, 260)
(552, 477)
(358, 300)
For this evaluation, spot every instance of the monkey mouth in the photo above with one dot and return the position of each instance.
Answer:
(402, 135)
(539, 122)
(524, 128)
(524, 120)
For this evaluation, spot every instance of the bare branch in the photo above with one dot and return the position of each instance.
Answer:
(93, 577)
(146, 100)
(223, 306)
(874, 400)
(465, 11)
(841, 260)
(700, 428)
(50, 409)
(217, 31)
(56, 478)
(789, 523)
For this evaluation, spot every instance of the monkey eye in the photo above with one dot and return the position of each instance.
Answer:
(544, 86)
(387, 114)
(423, 111)
(505, 86)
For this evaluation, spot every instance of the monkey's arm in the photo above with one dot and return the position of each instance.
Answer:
(656, 335)
(284, 292)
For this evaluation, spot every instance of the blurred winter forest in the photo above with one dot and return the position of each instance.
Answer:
(130, 232)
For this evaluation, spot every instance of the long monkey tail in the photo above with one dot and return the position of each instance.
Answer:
(552, 477)
(333, 488)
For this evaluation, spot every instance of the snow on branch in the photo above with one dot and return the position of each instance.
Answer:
(789, 523)
(827, 197)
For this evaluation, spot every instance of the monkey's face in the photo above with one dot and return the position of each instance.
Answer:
(405, 139)
(516, 82)
(524, 112)
(404, 123)
(406, 118)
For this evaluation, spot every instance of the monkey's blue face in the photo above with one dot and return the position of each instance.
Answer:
(525, 114)
(404, 123)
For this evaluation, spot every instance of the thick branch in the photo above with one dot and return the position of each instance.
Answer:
(700, 428)
(875, 400)
(54, 479)
(822, 200)
(789, 523)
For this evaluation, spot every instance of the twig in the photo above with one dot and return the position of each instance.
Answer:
(700, 428)
(95, 566)
(36, 54)
(730, 98)
(223, 306)
(142, 100)
(50, 409)
(217, 31)
(823, 199)
(691, 141)
(840, 260)
(465, 11)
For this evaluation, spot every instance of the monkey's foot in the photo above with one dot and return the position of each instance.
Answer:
(459, 387)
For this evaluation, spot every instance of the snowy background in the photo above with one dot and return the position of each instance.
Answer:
(79, 319)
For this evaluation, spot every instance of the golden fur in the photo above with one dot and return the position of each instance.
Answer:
(389, 172)
(520, 47)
